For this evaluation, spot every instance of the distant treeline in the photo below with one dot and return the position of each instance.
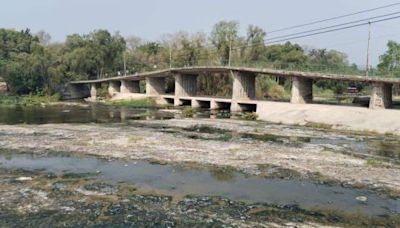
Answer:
(31, 63)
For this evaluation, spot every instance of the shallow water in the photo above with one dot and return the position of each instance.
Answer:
(77, 114)
(211, 182)
(386, 147)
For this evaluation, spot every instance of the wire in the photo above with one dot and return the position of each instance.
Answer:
(334, 26)
(332, 18)
(316, 33)
(337, 29)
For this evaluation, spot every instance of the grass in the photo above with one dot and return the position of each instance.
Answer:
(249, 116)
(375, 162)
(140, 103)
(188, 112)
(319, 125)
(29, 100)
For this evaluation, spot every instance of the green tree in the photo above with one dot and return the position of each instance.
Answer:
(389, 62)
(285, 55)
(255, 42)
(223, 35)
(95, 55)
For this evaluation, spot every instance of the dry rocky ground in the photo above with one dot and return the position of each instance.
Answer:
(213, 142)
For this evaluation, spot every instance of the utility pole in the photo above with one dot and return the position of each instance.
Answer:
(125, 63)
(170, 56)
(368, 48)
(230, 50)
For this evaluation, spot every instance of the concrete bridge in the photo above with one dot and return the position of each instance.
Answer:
(243, 88)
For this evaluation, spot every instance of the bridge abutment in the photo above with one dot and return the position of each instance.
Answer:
(302, 90)
(244, 88)
(185, 86)
(381, 95)
(130, 86)
(114, 87)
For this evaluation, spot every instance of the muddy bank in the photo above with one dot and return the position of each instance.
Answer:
(301, 151)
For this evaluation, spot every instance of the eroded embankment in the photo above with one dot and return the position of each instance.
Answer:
(252, 147)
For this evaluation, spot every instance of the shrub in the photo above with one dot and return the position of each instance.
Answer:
(276, 92)
(267, 87)
(249, 116)
(188, 112)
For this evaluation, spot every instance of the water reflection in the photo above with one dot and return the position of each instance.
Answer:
(77, 114)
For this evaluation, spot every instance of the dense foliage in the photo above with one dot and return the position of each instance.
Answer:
(33, 64)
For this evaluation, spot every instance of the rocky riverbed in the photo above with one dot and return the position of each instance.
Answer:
(252, 147)
(188, 172)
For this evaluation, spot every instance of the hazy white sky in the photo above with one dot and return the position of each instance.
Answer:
(152, 18)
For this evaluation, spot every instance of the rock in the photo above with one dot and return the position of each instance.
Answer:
(362, 198)
(24, 179)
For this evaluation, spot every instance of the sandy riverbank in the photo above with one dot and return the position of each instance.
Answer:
(334, 116)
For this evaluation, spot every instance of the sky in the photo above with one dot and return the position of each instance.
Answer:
(150, 19)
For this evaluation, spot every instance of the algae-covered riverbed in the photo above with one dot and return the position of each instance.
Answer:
(88, 166)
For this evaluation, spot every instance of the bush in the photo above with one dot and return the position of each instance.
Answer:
(267, 87)
(249, 116)
(321, 92)
(31, 100)
(188, 112)
(102, 92)
(276, 92)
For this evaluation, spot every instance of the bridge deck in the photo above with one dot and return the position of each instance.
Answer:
(223, 69)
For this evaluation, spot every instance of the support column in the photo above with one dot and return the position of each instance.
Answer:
(214, 105)
(302, 91)
(93, 92)
(244, 88)
(114, 87)
(185, 86)
(381, 95)
(130, 86)
(195, 103)
(155, 86)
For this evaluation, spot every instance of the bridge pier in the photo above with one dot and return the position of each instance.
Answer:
(114, 87)
(130, 86)
(302, 91)
(185, 86)
(93, 91)
(155, 86)
(244, 88)
(381, 95)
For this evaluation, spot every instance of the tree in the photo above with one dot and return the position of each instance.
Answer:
(255, 42)
(328, 58)
(223, 35)
(94, 55)
(44, 37)
(23, 62)
(390, 60)
(285, 55)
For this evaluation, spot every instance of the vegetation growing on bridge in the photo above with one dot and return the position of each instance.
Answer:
(31, 64)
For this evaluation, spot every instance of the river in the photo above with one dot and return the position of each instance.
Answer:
(57, 187)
